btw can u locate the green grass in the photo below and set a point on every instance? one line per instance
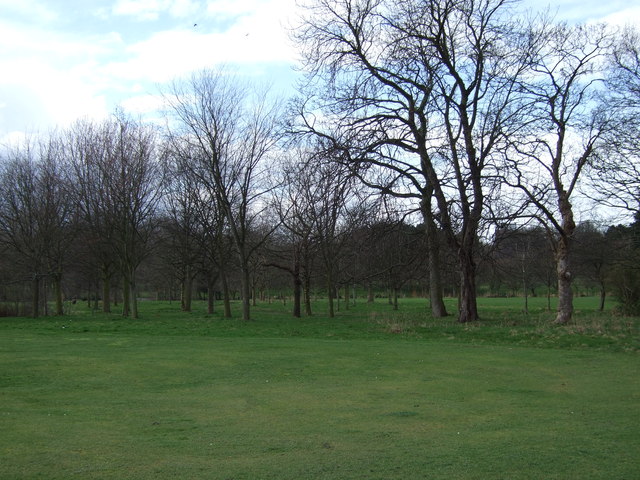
(372, 394)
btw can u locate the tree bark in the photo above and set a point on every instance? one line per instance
(603, 295)
(394, 294)
(438, 309)
(210, 297)
(525, 288)
(126, 296)
(226, 297)
(330, 294)
(347, 296)
(35, 296)
(468, 305)
(297, 291)
(307, 295)
(187, 291)
(565, 294)
(134, 296)
(246, 292)
(563, 268)
(106, 289)
(57, 285)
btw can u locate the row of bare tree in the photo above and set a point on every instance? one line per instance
(475, 110)
(320, 233)
(466, 112)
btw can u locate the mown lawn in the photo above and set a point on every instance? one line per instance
(372, 394)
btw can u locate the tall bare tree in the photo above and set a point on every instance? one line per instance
(183, 224)
(86, 148)
(335, 208)
(233, 128)
(566, 128)
(37, 216)
(296, 243)
(119, 180)
(615, 178)
(136, 187)
(422, 95)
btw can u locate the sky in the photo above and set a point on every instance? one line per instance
(61, 60)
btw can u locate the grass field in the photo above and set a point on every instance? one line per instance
(371, 394)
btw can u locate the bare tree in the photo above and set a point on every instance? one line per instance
(335, 208)
(183, 225)
(37, 216)
(624, 241)
(234, 134)
(594, 257)
(521, 257)
(119, 180)
(294, 251)
(565, 129)
(421, 94)
(86, 147)
(615, 178)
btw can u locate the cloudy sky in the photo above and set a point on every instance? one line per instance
(65, 59)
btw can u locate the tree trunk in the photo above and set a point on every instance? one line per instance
(307, 295)
(563, 270)
(468, 303)
(438, 309)
(370, 296)
(565, 294)
(330, 294)
(246, 293)
(35, 296)
(187, 292)
(394, 291)
(297, 291)
(134, 296)
(226, 296)
(57, 285)
(45, 300)
(126, 295)
(525, 288)
(603, 295)
(106, 289)
(210, 297)
(347, 295)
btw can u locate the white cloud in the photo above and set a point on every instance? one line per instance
(145, 10)
(141, 9)
(256, 38)
(628, 16)
(32, 107)
(589, 11)
(33, 10)
(160, 57)
(143, 104)
(50, 78)
(183, 8)
(49, 46)
(54, 75)
(233, 7)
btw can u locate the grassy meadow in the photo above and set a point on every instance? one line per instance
(370, 394)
